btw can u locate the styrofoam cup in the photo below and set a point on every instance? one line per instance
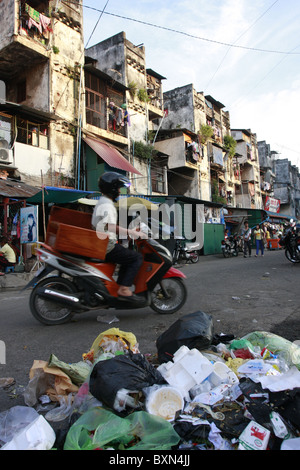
(165, 402)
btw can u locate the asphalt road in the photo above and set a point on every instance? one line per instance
(242, 295)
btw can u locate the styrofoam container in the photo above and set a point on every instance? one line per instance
(189, 368)
(222, 374)
(165, 401)
(37, 435)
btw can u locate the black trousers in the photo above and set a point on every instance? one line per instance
(247, 247)
(4, 263)
(130, 262)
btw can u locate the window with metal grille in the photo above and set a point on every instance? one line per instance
(95, 101)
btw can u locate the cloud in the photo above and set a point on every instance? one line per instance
(272, 116)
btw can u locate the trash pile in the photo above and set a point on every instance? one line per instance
(199, 392)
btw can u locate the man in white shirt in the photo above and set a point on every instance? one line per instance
(104, 219)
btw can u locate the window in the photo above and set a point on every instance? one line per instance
(95, 101)
(32, 133)
(5, 130)
(158, 180)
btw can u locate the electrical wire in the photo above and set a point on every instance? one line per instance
(240, 100)
(92, 33)
(243, 34)
(153, 25)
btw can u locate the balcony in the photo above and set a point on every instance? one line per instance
(24, 38)
(155, 95)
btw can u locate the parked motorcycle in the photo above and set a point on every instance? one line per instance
(186, 251)
(290, 241)
(86, 284)
(229, 246)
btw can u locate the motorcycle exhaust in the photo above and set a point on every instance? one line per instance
(62, 298)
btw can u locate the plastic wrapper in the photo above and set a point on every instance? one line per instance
(112, 341)
(61, 412)
(51, 381)
(101, 429)
(286, 350)
(194, 330)
(78, 372)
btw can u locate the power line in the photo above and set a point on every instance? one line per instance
(240, 100)
(253, 24)
(186, 34)
(101, 13)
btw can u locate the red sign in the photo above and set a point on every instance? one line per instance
(272, 205)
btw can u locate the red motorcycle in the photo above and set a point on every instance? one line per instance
(85, 282)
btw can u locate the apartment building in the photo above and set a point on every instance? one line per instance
(142, 100)
(193, 135)
(41, 55)
(248, 193)
(267, 170)
(287, 187)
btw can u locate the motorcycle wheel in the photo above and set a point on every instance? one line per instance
(291, 258)
(46, 311)
(194, 258)
(226, 253)
(169, 295)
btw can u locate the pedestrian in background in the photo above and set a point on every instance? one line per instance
(259, 239)
(246, 233)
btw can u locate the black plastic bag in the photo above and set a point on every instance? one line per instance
(194, 330)
(124, 373)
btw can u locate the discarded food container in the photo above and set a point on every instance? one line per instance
(222, 375)
(189, 368)
(254, 437)
(37, 435)
(165, 401)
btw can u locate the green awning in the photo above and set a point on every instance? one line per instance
(58, 195)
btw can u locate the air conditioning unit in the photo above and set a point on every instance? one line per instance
(6, 156)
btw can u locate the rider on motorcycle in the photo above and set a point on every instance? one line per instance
(104, 219)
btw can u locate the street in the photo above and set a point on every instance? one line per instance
(242, 295)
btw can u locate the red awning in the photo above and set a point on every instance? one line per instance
(110, 155)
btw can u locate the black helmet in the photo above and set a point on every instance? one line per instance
(110, 182)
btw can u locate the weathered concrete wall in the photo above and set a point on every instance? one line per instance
(32, 163)
(175, 148)
(7, 17)
(65, 66)
(37, 87)
(179, 103)
(110, 56)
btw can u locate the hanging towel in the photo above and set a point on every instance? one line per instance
(45, 22)
(31, 23)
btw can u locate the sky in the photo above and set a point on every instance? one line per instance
(244, 53)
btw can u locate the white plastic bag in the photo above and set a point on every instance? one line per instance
(22, 428)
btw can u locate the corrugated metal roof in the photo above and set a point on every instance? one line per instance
(110, 155)
(16, 189)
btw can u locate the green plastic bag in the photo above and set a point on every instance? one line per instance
(78, 371)
(289, 351)
(99, 428)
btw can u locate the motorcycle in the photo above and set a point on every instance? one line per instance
(186, 251)
(290, 241)
(229, 246)
(83, 284)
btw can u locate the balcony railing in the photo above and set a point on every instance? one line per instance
(35, 24)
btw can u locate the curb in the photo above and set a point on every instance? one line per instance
(15, 280)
